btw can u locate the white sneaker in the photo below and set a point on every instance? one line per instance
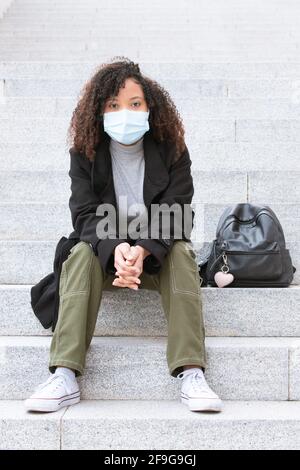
(196, 393)
(55, 393)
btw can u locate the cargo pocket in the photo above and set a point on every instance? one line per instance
(184, 270)
(76, 270)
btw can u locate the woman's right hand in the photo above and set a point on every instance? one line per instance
(128, 275)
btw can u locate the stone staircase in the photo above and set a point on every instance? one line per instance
(233, 71)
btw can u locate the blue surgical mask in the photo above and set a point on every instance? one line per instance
(126, 126)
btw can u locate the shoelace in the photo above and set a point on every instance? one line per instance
(51, 379)
(197, 381)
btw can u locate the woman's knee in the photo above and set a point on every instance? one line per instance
(81, 255)
(182, 250)
(184, 271)
(84, 248)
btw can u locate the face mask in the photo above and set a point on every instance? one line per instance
(126, 126)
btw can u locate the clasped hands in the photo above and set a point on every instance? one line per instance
(129, 265)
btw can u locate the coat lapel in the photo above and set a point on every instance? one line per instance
(156, 176)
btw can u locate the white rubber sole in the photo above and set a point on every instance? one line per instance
(38, 404)
(203, 404)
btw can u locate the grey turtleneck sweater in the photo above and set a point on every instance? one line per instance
(128, 167)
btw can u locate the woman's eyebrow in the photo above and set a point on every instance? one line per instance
(116, 99)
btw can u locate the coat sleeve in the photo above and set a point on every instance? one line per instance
(180, 190)
(83, 204)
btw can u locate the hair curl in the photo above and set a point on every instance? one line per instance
(86, 128)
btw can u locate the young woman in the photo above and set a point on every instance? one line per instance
(127, 142)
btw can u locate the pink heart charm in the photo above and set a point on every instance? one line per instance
(223, 279)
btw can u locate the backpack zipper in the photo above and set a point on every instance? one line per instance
(236, 252)
(255, 252)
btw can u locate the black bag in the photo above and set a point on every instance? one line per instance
(45, 294)
(250, 245)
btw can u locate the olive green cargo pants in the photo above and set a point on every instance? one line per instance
(82, 282)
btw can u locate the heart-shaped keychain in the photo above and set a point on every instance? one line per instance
(223, 278)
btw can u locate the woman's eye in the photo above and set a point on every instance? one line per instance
(114, 105)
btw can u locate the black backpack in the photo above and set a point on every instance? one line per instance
(250, 245)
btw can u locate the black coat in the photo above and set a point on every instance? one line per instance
(166, 181)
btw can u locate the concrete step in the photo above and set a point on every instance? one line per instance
(147, 49)
(177, 4)
(266, 90)
(208, 129)
(107, 13)
(110, 44)
(192, 111)
(228, 187)
(102, 54)
(228, 156)
(51, 33)
(26, 262)
(204, 129)
(24, 217)
(192, 17)
(90, 24)
(116, 7)
(93, 49)
(226, 312)
(119, 6)
(89, 8)
(151, 424)
(72, 43)
(157, 15)
(78, 70)
(228, 30)
(237, 368)
(187, 32)
(107, 24)
(210, 187)
(199, 23)
(164, 55)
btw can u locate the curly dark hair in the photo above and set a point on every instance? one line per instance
(86, 129)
